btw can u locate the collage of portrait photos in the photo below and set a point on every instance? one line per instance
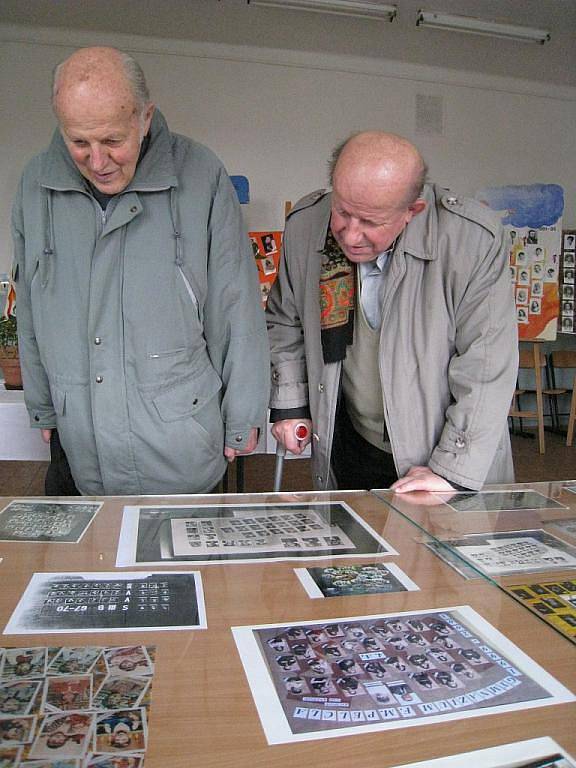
(567, 267)
(266, 248)
(534, 271)
(75, 707)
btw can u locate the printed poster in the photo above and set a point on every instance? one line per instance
(501, 501)
(554, 601)
(244, 533)
(58, 522)
(109, 602)
(533, 753)
(501, 554)
(360, 674)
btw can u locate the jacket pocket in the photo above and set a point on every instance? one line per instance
(189, 397)
(59, 401)
(192, 290)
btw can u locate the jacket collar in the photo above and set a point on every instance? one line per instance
(420, 236)
(154, 171)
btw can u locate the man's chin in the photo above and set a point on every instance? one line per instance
(360, 256)
(109, 185)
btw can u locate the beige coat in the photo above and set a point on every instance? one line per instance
(448, 343)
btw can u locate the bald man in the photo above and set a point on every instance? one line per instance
(142, 341)
(392, 328)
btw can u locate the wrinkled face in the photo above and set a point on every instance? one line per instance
(103, 138)
(365, 231)
(368, 214)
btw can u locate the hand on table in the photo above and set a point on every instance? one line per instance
(420, 479)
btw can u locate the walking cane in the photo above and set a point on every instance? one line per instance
(301, 432)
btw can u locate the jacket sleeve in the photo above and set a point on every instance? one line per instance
(481, 373)
(36, 387)
(234, 324)
(289, 380)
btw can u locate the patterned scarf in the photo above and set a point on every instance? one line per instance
(337, 290)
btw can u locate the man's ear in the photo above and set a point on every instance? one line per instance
(147, 118)
(417, 206)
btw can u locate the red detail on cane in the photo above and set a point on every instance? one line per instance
(301, 431)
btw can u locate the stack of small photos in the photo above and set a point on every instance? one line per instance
(83, 707)
(568, 266)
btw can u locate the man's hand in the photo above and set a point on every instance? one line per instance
(283, 431)
(251, 443)
(420, 479)
(46, 434)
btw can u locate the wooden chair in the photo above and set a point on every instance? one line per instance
(531, 359)
(565, 359)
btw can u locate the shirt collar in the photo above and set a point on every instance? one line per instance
(380, 262)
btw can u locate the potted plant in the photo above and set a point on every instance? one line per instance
(9, 360)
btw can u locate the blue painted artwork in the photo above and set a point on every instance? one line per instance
(242, 187)
(530, 205)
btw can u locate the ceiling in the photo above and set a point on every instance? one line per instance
(234, 22)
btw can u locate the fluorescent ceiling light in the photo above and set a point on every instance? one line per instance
(370, 9)
(481, 27)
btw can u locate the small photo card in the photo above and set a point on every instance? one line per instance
(348, 580)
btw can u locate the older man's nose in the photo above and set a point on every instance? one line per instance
(98, 158)
(353, 234)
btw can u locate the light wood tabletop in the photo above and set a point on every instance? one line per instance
(202, 709)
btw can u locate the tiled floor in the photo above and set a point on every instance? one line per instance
(26, 478)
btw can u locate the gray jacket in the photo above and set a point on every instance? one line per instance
(142, 335)
(448, 342)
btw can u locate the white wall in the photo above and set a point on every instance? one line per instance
(274, 116)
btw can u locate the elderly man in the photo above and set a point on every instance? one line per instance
(141, 331)
(392, 328)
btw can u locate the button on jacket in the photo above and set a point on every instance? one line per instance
(141, 330)
(448, 341)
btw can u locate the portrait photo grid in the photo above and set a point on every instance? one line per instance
(567, 268)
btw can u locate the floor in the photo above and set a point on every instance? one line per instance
(26, 478)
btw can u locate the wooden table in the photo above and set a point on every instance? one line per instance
(202, 709)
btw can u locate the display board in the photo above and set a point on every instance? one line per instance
(567, 287)
(318, 679)
(532, 216)
(266, 247)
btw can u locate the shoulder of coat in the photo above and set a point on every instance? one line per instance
(308, 201)
(470, 209)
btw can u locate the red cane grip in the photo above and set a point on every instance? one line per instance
(301, 431)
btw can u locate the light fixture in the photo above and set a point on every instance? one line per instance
(370, 9)
(481, 27)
